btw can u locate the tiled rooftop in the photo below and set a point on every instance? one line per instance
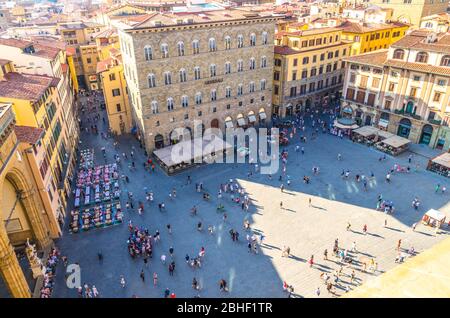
(26, 86)
(28, 134)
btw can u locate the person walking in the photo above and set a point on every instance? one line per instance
(311, 261)
(169, 228)
(414, 227)
(100, 256)
(223, 285)
(310, 202)
(142, 275)
(155, 279)
(171, 251)
(281, 205)
(365, 229)
(348, 226)
(318, 291)
(325, 255)
(399, 245)
(122, 281)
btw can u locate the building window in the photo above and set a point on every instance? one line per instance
(212, 70)
(112, 77)
(186, 116)
(263, 62)
(228, 106)
(276, 76)
(416, 78)
(88, 60)
(422, 57)
(212, 45)
(330, 55)
(305, 60)
(118, 108)
(164, 50)
(184, 101)
(252, 63)
(183, 76)
(116, 92)
(375, 82)
(294, 62)
(227, 42)
(227, 68)
(262, 84)
(198, 98)
(251, 87)
(228, 92)
(252, 39)
(240, 89)
(197, 73)
(275, 89)
(277, 62)
(148, 53)
(350, 94)
(413, 92)
(167, 78)
(304, 74)
(313, 71)
(240, 103)
(293, 92)
(199, 114)
(170, 104)
(441, 82)
(445, 61)
(154, 107)
(294, 75)
(391, 87)
(180, 47)
(322, 56)
(399, 54)
(240, 41)
(363, 81)
(213, 95)
(195, 47)
(352, 78)
(264, 38)
(437, 97)
(240, 66)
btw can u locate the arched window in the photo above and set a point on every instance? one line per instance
(445, 61)
(263, 62)
(227, 67)
(198, 98)
(252, 63)
(252, 39)
(399, 54)
(240, 41)
(240, 89)
(264, 38)
(422, 57)
(154, 107)
(151, 80)
(148, 53)
(183, 77)
(212, 45)
(240, 65)
(213, 95)
(227, 42)
(212, 70)
(251, 87)
(164, 50)
(170, 104)
(195, 47)
(197, 72)
(167, 78)
(180, 47)
(228, 92)
(184, 101)
(262, 84)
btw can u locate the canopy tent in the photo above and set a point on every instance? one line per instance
(396, 141)
(383, 123)
(384, 134)
(341, 124)
(443, 160)
(366, 131)
(262, 115)
(241, 121)
(229, 124)
(188, 152)
(436, 215)
(251, 118)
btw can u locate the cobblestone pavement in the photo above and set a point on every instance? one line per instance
(307, 230)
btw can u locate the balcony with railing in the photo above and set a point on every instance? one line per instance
(7, 120)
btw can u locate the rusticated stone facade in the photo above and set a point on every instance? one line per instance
(151, 94)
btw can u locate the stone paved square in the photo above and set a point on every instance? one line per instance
(307, 230)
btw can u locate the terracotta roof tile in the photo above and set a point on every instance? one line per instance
(28, 134)
(376, 58)
(26, 86)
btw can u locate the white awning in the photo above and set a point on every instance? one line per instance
(229, 124)
(262, 115)
(435, 214)
(251, 118)
(241, 121)
(383, 123)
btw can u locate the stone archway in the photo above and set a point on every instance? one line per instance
(159, 141)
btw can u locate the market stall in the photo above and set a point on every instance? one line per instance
(381, 135)
(365, 134)
(343, 126)
(440, 164)
(187, 153)
(433, 218)
(394, 145)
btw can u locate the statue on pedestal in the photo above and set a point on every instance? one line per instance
(35, 262)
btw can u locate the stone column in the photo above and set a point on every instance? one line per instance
(32, 207)
(11, 270)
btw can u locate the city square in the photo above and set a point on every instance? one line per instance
(306, 229)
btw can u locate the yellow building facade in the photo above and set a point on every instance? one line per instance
(21, 205)
(371, 37)
(308, 69)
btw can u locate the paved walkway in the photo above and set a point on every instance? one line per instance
(306, 230)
